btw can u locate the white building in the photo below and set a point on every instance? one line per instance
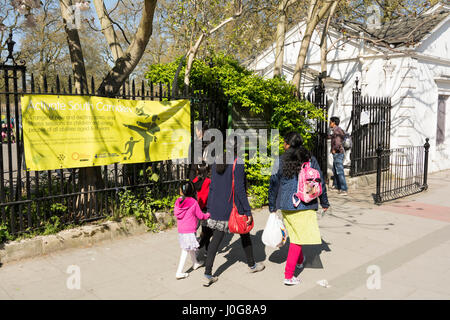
(407, 60)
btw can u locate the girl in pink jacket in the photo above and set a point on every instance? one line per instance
(188, 212)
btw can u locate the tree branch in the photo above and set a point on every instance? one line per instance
(194, 49)
(108, 29)
(127, 62)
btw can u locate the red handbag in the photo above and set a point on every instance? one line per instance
(238, 222)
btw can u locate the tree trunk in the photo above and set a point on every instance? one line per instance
(281, 33)
(75, 50)
(89, 178)
(175, 78)
(323, 40)
(190, 59)
(127, 62)
(316, 16)
(108, 29)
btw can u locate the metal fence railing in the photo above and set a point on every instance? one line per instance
(401, 172)
(31, 199)
(371, 126)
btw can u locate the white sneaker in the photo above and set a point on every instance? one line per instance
(301, 265)
(292, 281)
(181, 275)
(198, 265)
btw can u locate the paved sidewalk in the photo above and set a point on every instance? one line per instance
(405, 242)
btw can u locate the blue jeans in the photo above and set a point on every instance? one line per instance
(338, 172)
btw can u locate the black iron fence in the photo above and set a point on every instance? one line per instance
(320, 146)
(29, 200)
(401, 172)
(371, 126)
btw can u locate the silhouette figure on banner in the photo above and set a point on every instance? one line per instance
(146, 130)
(129, 146)
(140, 112)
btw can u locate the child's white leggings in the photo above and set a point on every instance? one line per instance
(183, 257)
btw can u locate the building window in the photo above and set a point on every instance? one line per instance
(440, 133)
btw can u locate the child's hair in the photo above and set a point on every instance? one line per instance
(295, 156)
(202, 170)
(188, 189)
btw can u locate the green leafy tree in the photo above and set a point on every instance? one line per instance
(243, 88)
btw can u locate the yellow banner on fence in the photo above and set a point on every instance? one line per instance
(82, 131)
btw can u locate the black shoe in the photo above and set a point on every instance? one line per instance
(209, 280)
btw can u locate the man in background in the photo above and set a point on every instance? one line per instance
(338, 152)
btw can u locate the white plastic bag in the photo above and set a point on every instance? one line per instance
(274, 234)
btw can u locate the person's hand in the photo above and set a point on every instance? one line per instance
(321, 215)
(249, 221)
(207, 215)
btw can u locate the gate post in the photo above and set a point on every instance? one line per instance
(356, 97)
(425, 169)
(320, 101)
(378, 192)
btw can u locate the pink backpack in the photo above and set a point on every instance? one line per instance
(309, 185)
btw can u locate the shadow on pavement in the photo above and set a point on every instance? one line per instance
(311, 252)
(235, 252)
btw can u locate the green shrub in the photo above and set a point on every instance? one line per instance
(241, 87)
(53, 226)
(4, 233)
(143, 207)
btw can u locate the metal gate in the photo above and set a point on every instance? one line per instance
(401, 172)
(371, 127)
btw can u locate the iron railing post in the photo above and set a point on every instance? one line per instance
(378, 192)
(425, 169)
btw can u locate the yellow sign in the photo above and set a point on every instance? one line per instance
(82, 131)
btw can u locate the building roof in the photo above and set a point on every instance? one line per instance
(400, 32)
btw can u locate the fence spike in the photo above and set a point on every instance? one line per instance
(58, 85)
(69, 84)
(45, 84)
(32, 83)
(151, 91)
(92, 85)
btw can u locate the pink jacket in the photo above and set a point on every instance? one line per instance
(187, 213)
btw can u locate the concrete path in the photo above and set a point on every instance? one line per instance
(400, 250)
